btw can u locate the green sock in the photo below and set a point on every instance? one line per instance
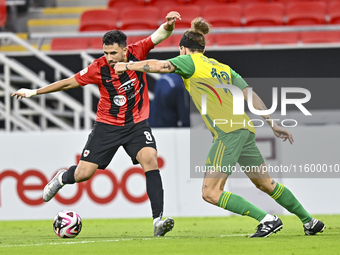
(239, 205)
(286, 199)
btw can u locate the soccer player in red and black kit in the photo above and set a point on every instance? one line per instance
(122, 115)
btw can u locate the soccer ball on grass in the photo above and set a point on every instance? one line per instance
(67, 224)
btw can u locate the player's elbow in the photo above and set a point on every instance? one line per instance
(164, 67)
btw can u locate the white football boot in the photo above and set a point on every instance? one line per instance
(161, 227)
(53, 186)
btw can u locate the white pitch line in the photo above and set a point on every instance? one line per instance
(109, 241)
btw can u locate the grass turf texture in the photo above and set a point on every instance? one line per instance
(199, 235)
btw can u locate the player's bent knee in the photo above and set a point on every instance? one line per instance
(149, 163)
(209, 196)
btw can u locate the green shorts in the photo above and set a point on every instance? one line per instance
(230, 148)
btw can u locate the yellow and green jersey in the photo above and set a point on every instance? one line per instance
(200, 75)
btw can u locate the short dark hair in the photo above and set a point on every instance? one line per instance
(113, 37)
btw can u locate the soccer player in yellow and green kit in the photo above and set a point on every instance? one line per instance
(233, 143)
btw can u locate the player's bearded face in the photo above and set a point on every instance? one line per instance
(114, 53)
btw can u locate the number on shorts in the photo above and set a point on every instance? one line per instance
(148, 135)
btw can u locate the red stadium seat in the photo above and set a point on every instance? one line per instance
(204, 2)
(306, 13)
(118, 5)
(146, 2)
(186, 1)
(210, 39)
(236, 39)
(96, 43)
(140, 18)
(176, 39)
(334, 13)
(228, 15)
(161, 3)
(264, 14)
(3, 13)
(134, 39)
(320, 37)
(166, 43)
(98, 20)
(279, 38)
(70, 44)
(188, 13)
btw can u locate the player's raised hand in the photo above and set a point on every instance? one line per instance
(172, 16)
(22, 93)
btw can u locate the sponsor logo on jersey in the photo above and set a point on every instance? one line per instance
(86, 153)
(135, 94)
(126, 86)
(119, 100)
(84, 71)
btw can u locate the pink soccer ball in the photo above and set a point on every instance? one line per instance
(67, 224)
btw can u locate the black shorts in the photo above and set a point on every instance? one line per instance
(105, 139)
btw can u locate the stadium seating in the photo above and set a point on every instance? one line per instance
(161, 3)
(210, 39)
(139, 18)
(70, 44)
(166, 43)
(188, 13)
(236, 39)
(227, 15)
(148, 14)
(334, 13)
(279, 38)
(320, 37)
(186, 1)
(3, 13)
(98, 20)
(145, 2)
(306, 13)
(133, 39)
(175, 39)
(121, 4)
(96, 43)
(264, 14)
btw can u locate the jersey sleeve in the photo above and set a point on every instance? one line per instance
(141, 48)
(237, 80)
(184, 64)
(87, 75)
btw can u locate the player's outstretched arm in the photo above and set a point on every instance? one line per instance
(65, 84)
(165, 30)
(258, 104)
(146, 66)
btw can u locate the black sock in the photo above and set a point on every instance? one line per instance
(154, 189)
(68, 176)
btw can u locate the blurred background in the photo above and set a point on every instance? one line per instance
(278, 43)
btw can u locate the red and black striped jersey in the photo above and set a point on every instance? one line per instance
(123, 99)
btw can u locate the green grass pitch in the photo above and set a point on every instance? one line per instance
(199, 235)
